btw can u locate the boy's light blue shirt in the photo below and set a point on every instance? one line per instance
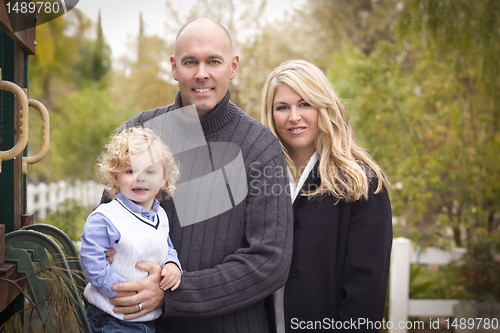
(100, 235)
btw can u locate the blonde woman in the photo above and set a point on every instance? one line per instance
(342, 230)
(136, 165)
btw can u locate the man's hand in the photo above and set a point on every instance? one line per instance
(145, 292)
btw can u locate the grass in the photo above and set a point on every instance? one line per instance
(58, 298)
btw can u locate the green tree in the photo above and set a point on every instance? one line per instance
(55, 51)
(95, 58)
(332, 24)
(66, 60)
(81, 133)
(316, 32)
(426, 109)
(144, 80)
(464, 37)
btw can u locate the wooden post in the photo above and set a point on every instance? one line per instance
(27, 219)
(2, 244)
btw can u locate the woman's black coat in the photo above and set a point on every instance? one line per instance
(340, 264)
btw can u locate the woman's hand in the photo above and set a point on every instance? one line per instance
(135, 299)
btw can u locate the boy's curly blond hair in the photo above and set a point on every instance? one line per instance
(135, 141)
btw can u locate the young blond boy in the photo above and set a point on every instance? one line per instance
(135, 165)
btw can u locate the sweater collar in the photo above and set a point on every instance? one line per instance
(217, 118)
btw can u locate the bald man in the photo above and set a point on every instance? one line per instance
(232, 261)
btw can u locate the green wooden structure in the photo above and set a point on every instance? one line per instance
(15, 48)
(26, 249)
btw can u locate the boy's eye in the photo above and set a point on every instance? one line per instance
(129, 171)
(150, 172)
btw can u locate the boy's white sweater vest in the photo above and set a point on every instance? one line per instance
(140, 239)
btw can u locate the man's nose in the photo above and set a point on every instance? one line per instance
(202, 73)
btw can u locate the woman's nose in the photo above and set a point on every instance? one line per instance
(294, 114)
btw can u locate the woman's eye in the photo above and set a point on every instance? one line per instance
(305, 104)
(281, 107)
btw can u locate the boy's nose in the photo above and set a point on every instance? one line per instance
(140, 177)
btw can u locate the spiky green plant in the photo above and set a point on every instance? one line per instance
(59, 298)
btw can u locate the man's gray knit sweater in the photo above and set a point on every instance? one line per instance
(232, 261)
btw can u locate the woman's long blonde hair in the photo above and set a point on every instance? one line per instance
(345, 168)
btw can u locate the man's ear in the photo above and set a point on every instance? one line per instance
(173, 66)
(234, 66)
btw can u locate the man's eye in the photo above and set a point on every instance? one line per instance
(214, 62)
(189, 62)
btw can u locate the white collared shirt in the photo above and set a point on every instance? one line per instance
(295, 188)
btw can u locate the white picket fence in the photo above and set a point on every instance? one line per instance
(45, 198)
(400, 305)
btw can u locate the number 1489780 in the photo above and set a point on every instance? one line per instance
(38, 7)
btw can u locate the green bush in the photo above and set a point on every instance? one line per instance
(70, 218)
(478, 270)
(428, 282)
